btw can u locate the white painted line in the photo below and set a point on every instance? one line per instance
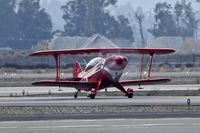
(92, 126)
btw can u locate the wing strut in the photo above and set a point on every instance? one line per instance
(141, 70)
(150, 65)
(57, 59)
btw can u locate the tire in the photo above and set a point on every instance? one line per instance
(92, 96)
(130, 95)
(75, 96)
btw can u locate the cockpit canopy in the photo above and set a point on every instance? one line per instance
(94, 62)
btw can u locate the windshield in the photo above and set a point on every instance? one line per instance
(93, 62)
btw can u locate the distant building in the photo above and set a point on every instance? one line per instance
(98, 41)
(166, 42)
(60, 42)
(187, 45)
(95, 41)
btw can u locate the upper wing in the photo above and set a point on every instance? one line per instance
(145, 81)
(76, 84)
(150, 51)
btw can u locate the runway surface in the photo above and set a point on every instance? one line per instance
(37, 89)
(167, 125)
(99, 101)
(31, 75)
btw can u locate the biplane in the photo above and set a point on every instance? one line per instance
(102, 72)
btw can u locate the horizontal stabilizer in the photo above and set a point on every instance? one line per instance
(75, 84)
(145, 81)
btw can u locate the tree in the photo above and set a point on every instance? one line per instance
(185, 19)
(34, 23)
(182, 23)
(124, 30)
(165, 23)
(8, 25)
(75, 11)
(88, 17)
(140, 17)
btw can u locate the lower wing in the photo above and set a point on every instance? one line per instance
(75, 84)
(145, 81)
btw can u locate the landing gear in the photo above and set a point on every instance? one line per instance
(92, 94)
(76, 94)
(130, 93)
(140, 88)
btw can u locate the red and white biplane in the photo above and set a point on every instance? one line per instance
(101, 73)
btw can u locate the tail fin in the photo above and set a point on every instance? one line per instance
(77, 69)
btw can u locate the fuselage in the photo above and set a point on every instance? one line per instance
(105, 71)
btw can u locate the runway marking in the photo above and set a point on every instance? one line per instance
(95, 126)
(165, 124)
(99, 120)
(91, 123)
(195, 124)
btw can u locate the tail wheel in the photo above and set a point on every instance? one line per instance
(130, 93)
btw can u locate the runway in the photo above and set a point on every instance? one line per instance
(99, 101)
(43, 90)
(167, 125)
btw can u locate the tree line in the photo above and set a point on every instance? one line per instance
(88, 17)
(23, 24)
(26, 23)
(179, 20)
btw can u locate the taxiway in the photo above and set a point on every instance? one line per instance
(167, 125)
(99, 101)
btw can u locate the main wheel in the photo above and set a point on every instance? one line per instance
(92, 96)
(130, 95)
(75, 96)
(93, 93)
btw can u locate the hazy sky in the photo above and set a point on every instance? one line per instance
(145, 4)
